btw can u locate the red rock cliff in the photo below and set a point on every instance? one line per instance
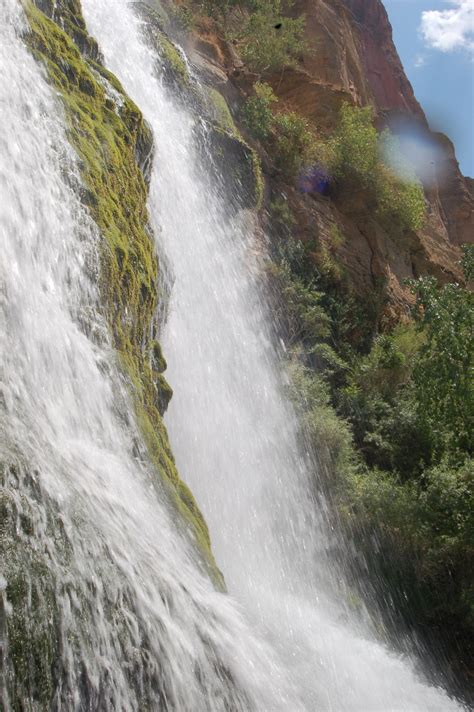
(351, 57)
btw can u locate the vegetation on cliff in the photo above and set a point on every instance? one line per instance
(395, 414)
(389, 404)
(352, 156)
(267, 38)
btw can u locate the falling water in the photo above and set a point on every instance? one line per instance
(116, 614)
(233, 433)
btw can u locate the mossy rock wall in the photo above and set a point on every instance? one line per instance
(114, 145)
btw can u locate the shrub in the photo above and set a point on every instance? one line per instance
(330, 434)
(294, 144)
(357, 155)
(263, 47)
(444, 374)
(305, 318)
(400, 201)
(257, 113)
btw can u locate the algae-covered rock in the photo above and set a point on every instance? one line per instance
(114, 145)
(174, 68)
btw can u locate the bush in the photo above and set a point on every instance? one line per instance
(330, 434)
(263, 47)
(294, 144)
(356, 154)
(257, 113)
(289, 136)
(444, 374)
(304, 318)
(400, 201)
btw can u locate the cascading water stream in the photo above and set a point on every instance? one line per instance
(233, 434)
(117, 614)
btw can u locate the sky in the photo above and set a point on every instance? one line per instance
(435, 41)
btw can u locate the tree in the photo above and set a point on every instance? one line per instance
(268, 40)
(257, 112)
(444, 374)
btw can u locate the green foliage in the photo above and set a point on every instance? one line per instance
(467, 263)
(281, 214)
(293, 144)
(378, 400)
(401, 201)
(263, 47)
(183, 16)
(392, 426)
(444, 373)
(257, 114)
(359, 157)
(288, 135)
(355, 153)
(330, 433)
(222, 10)
(327, 261)
(306, 319)
(252, 25)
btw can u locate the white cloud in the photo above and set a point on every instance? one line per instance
(450, 29)
(420, 61)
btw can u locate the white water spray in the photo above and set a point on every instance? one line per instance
(232, 432)
(98, 576)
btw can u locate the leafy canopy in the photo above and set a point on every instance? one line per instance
(444, 374)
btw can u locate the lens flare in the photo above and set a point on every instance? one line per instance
(411, 152)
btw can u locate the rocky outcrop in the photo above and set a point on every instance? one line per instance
(351, 57)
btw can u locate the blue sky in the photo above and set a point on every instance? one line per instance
(435, 40)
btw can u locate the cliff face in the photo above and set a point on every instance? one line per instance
(351, 53)
(351, 57)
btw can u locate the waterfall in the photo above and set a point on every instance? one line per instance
(233, 433)
(117, 613)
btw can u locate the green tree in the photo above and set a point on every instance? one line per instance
(358, 155)
(294, 144)
(355, 148)
(444, 373)
(257, 113)
(269, 41)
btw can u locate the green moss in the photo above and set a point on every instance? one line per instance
(175, 66)
(155, 21)
(220, 110)
(259, 184)
(239, 164)
(111, 140)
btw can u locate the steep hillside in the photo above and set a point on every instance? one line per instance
(350, 56)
